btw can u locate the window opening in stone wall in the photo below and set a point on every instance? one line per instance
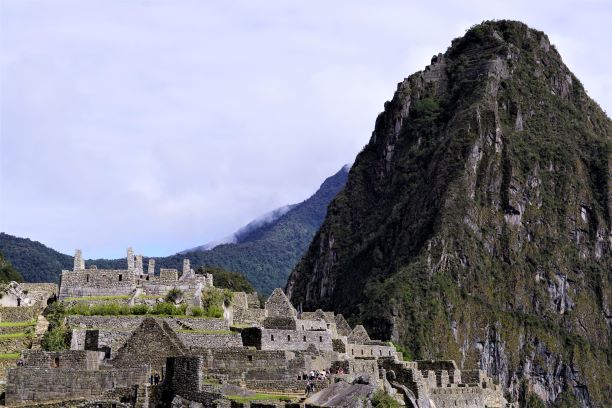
(371, 352)
(120, 277)
(87, 278)
(18, 302)
(272, 337)
(389, 352)
(288, 338)
(380, 352)
(55, 362)
(362, 352)
(302, 327)
(304, 338)
(320, 339)
(147, 278)
(250, 358)
(352, 351)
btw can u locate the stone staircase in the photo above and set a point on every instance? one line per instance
(42, 325)
(142, 396)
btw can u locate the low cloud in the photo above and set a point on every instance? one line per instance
(164, 124)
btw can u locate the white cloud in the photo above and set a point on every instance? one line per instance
(166, 124)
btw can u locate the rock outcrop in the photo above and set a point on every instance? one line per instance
(476, 223)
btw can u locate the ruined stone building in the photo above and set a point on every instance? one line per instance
(223, 362)
(134, 280)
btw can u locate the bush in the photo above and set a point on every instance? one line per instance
(56, 339)
(174, 295)
(214, 311)
(140, 309)
(197, 311)
(383, 400)
(165, 308)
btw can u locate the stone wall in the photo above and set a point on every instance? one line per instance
(185, 380)
(469, 397)
(312, 324)
(18, 313)
(73, 359)
(249, 316)
(6, 363)
(30, 385)
(249, 364)
(41, 292)
(132, 322)
(197, 341)
(97, 282)
(280, 323)
(367, 350)
(107, 340)
(295, 340)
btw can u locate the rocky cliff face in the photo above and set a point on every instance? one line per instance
(475, 225)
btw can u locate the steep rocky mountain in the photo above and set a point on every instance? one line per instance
(265, 252)
(476, 223)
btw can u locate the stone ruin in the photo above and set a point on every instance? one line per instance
(82, 281)
(222, 362)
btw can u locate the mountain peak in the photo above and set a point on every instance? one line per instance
(475, 224)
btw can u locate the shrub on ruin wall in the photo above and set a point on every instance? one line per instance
(174, 296)
(56, 339)
(381, 399)
(213, 300)
(197, 311)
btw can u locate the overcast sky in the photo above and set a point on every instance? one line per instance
(166, 124)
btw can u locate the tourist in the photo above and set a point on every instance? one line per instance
(156, 378)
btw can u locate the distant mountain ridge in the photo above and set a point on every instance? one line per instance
(249, 232)
(264, 251)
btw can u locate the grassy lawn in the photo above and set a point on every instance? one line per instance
(86, 298)
(206, 331)
(242, 326)
(14, 335)
(9, 356)
(258, 397)
(18, 324)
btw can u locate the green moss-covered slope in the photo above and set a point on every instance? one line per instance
(475, 225)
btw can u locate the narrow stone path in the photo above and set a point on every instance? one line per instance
(42, 325)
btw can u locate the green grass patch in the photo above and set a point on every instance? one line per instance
(206, 331)
(258, 397)
(18, 324)
(9, 356)
(242, 326)
(86, 298)
(14, 335)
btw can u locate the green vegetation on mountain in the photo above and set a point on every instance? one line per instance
(264, 254)
(35, 262)
(476, 223)
(7, 272)
(227, 279)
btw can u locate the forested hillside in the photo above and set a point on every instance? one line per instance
(265, 255)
